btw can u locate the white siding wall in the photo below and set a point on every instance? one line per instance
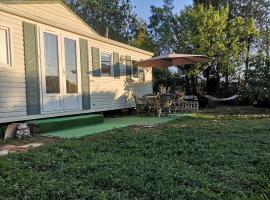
(108, 93)
(12, 80)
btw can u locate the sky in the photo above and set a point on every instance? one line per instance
(143, 6)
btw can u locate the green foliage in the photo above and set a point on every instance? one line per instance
(212, 33)
(116, 15)
(166, 78)
(143, 40)
(199, 157)
(257, 90)
(163, 27)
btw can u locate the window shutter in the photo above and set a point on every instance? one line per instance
(31, 68)
(96, 62)
(116, 65)
(85, 74)
(128, 67)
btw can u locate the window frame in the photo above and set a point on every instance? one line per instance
(111, 64)
(78, 62)
(134, 77)
(8, 29)
(139, 68)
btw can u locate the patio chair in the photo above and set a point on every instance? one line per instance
(141, 104)
(153, 104)
(166, 103)
(176, 101)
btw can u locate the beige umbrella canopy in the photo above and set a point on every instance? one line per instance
(172, 59)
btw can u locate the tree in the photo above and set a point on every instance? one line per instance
(163, 27)
(250, 10)
(143, 39)
(116, 15)
(209, 31)
(257, 89)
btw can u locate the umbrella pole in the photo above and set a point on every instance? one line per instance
(166, 81)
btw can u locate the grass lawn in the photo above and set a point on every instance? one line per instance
(199, 157)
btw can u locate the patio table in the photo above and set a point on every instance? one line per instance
(153, 103)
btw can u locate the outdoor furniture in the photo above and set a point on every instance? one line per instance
(176, 101)
(166, 103)
(189, 103)
(153, 104)
(141, 104)
(149, 94)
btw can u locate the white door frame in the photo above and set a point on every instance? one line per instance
(62, 75)
(65, 94)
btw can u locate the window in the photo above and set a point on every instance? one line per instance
(141, 74)
(106, 64)
(51, 63)
(138, 72)
(135, 70)
(71, 66)
(5, 58)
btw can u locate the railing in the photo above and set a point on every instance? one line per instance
(189, 105)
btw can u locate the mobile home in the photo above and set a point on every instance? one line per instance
(53, 64)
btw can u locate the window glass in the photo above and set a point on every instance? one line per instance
(71, 66)
(141, 73)
(135, 70)
(51, 63)
(4, 46)
(105, 64)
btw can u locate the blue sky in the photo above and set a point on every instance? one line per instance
(143, 6)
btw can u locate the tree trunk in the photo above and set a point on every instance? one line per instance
(187, 86)
(227, 82)
(267, 42)
(207, 74)
(247, 60)
(194, 85)
(217, 76)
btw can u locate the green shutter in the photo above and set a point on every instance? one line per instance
(31, 68)
(116, 65)
(128, 66)
(85, 74)
(96, 61)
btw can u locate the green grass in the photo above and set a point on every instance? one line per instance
(199, 157)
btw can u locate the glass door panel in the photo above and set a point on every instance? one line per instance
(72, 96)
(51, 61)
(71, 66)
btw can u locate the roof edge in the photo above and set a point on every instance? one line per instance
(61, 2)
(25, 15)
(30, 1)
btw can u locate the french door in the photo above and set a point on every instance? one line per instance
(60, 72)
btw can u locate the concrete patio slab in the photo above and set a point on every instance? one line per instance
(113, 123)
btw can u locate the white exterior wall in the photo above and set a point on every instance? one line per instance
(12, 80)
(107, 93)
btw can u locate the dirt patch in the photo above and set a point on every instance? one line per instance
(139, 128)
(15, 148)
(22, 145)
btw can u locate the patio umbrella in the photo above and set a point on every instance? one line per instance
(172, 59)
